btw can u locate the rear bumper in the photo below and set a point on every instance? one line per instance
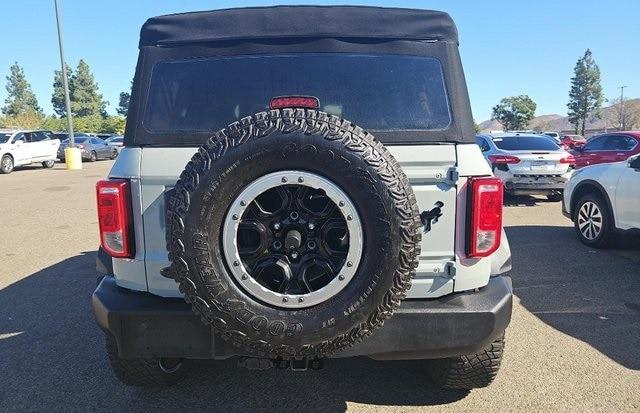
(145, 325)
(534, 184)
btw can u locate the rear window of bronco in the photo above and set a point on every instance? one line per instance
(377, 92)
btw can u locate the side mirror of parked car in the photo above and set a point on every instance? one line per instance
(635, 163)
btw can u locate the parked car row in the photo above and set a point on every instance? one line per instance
(566, 141)
(92, 149)
(598, 182)
(25, 147)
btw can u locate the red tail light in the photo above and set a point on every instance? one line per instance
(308, 102)
(114, 217)
(486, 216)
(503, 159)
(568, 159)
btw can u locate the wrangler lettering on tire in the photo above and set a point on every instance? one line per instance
(285, 220)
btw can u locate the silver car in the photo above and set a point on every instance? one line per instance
(116, 142)
(528, 164)
(92, 148)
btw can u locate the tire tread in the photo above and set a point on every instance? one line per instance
(330, 127)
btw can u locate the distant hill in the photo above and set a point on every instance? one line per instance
(561, 123)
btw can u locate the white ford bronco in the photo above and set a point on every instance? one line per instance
(300, 184)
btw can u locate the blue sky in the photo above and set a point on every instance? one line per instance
(508, 47)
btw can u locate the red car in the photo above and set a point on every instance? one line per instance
(572, 141)
(607, 148)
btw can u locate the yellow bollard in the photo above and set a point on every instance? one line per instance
(73, 158)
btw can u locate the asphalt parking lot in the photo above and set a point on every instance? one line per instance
(573, 344)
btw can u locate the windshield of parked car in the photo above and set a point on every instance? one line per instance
(378, 92)
(116, 140)
(525, 143)
(4, 137)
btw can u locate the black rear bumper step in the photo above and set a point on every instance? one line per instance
(145, 325)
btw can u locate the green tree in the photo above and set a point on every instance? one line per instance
(476, 126)
(514, 112)
(57, 98)
(585, 95)
(123, 104)
(86, 99)
(21, 98)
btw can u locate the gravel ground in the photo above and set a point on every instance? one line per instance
(573, 344)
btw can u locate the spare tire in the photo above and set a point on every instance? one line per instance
(294, 233)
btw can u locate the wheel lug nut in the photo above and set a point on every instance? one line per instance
(244, 276)
(285, 299)
(341, 277)
(235, 216)
(242, 203)
(301, 179)
(341, 203)
(349, 264)
(284, 179)
(349, 217)
(301, 299)
(236, 264)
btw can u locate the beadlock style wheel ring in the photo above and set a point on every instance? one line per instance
(292, 239)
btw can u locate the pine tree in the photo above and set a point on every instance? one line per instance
(123, 105)
(57, 99)
(21, 98)
(585, 95)
(86, 99)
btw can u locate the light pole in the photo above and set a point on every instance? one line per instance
(72, 155)
(622, 125)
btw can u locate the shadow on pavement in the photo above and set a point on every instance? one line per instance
(524, 200)
(52, 357)
(592, 295)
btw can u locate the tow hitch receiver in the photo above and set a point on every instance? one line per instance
(301, 364)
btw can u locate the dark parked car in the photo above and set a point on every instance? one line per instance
(92, 148)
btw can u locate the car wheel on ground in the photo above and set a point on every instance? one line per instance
(48, 164)
(144, 372)
(114, 155)
(592, 221)
(93, 157)
(470, 371)
(6, 164)
(555, 196)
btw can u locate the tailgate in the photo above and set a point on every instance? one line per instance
(428, 168)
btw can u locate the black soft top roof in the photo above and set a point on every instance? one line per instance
(282, 22)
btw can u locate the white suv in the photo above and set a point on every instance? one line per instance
(19, 148)
(604, 199)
